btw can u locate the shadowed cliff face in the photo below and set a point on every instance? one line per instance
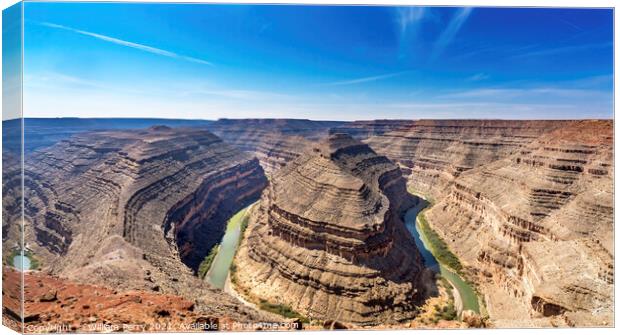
(128, 208)
(328, 239)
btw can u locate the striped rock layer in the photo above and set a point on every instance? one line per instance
(536, 228)
(135, 209)
(328, 241)
(433, 153)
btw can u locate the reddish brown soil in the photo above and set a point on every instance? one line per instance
(53, 304)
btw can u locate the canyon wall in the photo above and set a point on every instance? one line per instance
(509, 195)
(136, 209)
(535, 229)
(328, 239)
(432, 153)
(274, 142)
(526, 205)
(364, 129)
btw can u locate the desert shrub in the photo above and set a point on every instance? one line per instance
(244, 223)
(34, 262)
(448, 312)
(439, 247)
(205, 265)
(283, 310)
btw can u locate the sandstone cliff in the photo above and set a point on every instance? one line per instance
(526, 205)
(435, 152)
(536, 228)
(362, 130)
(328, 241)
(136, 209)
(274, 142)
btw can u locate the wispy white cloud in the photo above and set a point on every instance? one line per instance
(451, 30)
(57, 79)
(409, 16)
(96, 103)
(478, 77)
(464, 106)
(129, 44)
(564, 49)
(571, 24)
(409, 22)
(605, 80)
(502, 93)
(365, 79)
(512, 93)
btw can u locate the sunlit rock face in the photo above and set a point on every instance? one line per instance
(536, 227)
(328, 241)
(433, 153)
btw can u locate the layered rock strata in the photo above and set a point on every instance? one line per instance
(365, 129)
(435, 152)
(136, 209)
(274, 142)
(538, 225)
(328, 241)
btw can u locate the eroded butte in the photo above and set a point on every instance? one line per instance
(327, 238)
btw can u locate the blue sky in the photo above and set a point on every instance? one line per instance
(317, 62)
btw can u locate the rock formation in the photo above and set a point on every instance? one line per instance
(536, 228)
(435, 152)
(362, 130)
(134, 209)
(55, 304)
(274, 142)
(328, 241)
(527, 206)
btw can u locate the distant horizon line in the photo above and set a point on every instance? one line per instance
(301, 119)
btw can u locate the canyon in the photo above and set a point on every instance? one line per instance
(433, 153)
(275, 142)
(511, 200)
(526, 206)
(134, 210)
(536, 228)
(327, 238)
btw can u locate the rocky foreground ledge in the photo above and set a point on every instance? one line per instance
(327, 239)
(57, 305)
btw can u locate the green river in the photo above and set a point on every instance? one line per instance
(221, 264)
(218, 272)
(468, 296)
